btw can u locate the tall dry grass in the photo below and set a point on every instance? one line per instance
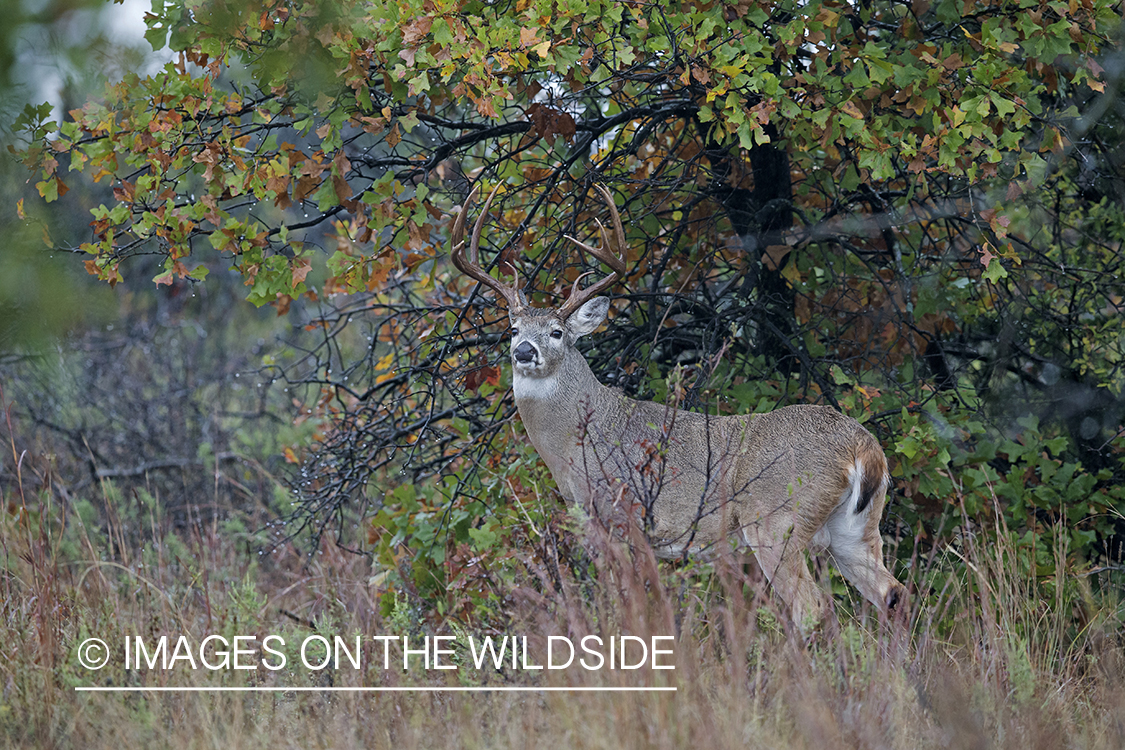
(983, 661)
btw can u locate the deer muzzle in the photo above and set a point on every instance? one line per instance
(525, 353)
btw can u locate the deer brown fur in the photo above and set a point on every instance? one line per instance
(801, 477)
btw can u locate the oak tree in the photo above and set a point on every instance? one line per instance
(909, 210)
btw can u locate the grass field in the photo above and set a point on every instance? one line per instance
(984, 661)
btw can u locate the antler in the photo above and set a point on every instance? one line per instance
(470, 266)
(615, 259)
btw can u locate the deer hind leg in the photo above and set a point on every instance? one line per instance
(857, 547)
(781, 556)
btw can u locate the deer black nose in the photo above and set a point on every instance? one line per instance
(525, 352)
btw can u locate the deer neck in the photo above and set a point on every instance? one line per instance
(553, 408)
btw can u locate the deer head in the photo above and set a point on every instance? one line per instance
(543, 338)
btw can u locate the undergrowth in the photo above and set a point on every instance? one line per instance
(990, 655)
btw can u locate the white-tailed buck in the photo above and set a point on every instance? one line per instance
(782, 482)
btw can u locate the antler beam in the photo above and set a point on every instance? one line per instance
(470, 266)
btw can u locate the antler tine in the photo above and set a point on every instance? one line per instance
(458, 237)
(618, 230)
(470, 266)
(474, 245)
(614, 257)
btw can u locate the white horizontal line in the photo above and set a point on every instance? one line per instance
(308, 689)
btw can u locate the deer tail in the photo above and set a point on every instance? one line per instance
(869, 475)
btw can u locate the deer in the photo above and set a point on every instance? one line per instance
(802, 477)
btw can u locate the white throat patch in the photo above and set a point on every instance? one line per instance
(527, 387)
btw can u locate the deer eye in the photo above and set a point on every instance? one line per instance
(515, 331)
(556, 334)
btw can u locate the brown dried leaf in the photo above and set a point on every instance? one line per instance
(414, 32)
(529, 36)
(394, 137)
(482, 374)
(774, 256)
(301, 268)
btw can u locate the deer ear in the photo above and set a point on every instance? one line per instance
(588, 317)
